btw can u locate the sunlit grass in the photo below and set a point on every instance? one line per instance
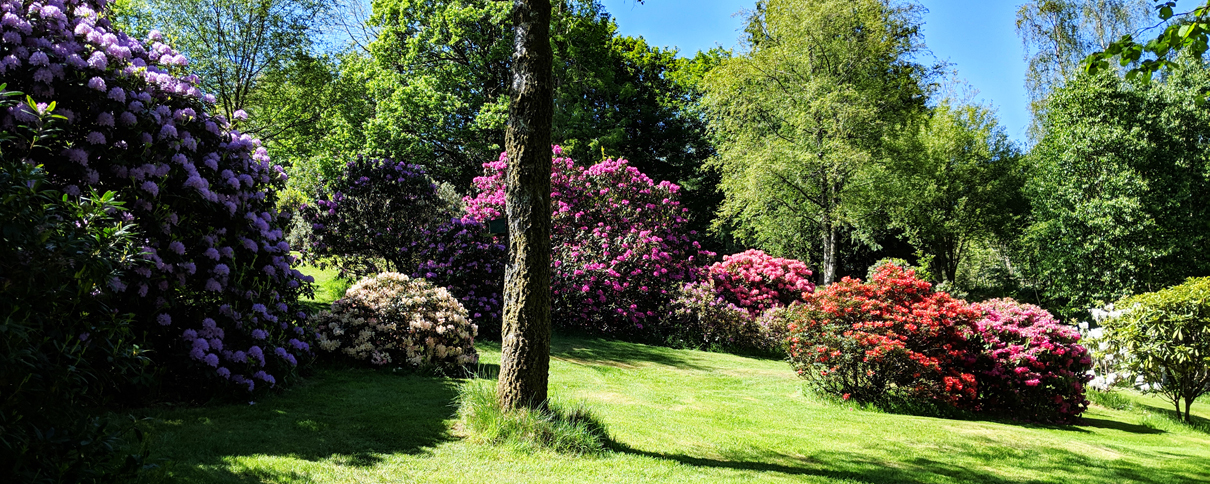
(671, 416)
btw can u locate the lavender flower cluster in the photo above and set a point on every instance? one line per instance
(217, 293)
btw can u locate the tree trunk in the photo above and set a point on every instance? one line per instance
(827, 226)
(525, 359)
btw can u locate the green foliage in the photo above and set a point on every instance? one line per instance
(433, 90)
(1187, 32)
(1120, 190)
(1167, 334)
(235, 44)
(1058, 34)
(63, 350)
(573, 430)
(800, 120)
(955, 183)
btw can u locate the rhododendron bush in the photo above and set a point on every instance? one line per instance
(1034, 368)
(392, 319)
(756, 282)
(216, 295)
(384, 213)
(619, 249)
(890, 337)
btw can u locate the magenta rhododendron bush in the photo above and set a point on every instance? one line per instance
(756, 281)
(1035, 368)
(216, 295)
(620, 251)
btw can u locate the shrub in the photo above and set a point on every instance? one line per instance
(217, 300)
(892, 337)
(382, 214)
(704, 319)
(1033, 367)
(373, 218)
(460, 257)
(63, 351)
(619, 253)
(392, 318)
(1167, 337)
(757, 282)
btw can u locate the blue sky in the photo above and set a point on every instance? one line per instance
(978, 39)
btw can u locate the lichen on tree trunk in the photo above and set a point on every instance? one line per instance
(525, 348)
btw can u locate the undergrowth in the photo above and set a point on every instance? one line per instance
(568, 429)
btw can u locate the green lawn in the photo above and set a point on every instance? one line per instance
(676, 416)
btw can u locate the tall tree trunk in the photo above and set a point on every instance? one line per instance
(525, 359)
(828, 232)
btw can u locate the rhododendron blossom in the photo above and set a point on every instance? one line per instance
(118, 95)
(892, 336)
(1032, 366)
(619, 250)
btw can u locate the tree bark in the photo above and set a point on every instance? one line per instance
(525, 359)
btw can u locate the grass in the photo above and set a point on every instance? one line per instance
(672, 416)
(559, 427)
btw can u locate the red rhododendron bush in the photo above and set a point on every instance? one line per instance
(215, 297)
(1034, 368)
(619, 248)
(894, 337)
(891, 337)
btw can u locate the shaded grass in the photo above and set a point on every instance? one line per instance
(673, 416)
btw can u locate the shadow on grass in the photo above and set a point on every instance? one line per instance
(853, 467)
(351, 415)
(1101, 423)
(1196, 423)
(620, 354)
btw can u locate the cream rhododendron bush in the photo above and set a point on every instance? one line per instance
(392, 319)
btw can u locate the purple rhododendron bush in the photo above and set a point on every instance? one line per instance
(392, 319)
(381, 214)
(215, 297)
(620, 251)
(1035, 369)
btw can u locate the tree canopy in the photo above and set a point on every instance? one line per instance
(801, 118)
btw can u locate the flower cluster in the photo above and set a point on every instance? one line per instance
(619, 249)
(217, 287)
(1032, 366)
(755, 281)
(391, 318)
(892, 336)
(380, 212)
(704, 319)
(461, 258)
(373, 217)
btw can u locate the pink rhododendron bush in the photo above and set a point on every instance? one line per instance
(620, 251)
(216, 297)
(703, 319)
(1035, 369)
(756, 282)
(392, 319)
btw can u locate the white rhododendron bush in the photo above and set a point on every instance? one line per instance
(392, 319)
